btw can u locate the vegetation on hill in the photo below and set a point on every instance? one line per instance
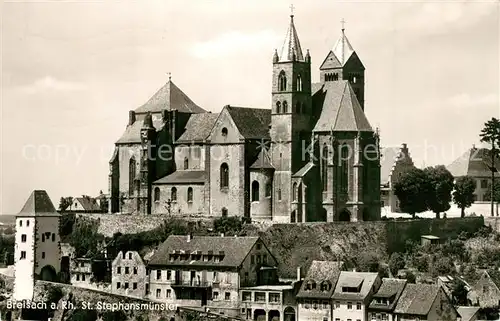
(463, 195)
(491, 134)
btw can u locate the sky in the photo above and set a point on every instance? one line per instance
(71, 71)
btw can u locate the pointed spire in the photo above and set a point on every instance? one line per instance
(275, 56)
(291, 46)
(343, 49)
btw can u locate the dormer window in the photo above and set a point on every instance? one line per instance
(310, 285)
(326, 286)
(282, 81)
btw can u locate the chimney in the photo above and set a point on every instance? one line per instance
(298, 273)
(131, 117)
(221, 234)
(189, 237)
(404, 145)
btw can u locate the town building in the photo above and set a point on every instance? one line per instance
(269, 302)
(430, 240)
(353, 294)
(310, 156)
(385, 299)
(314, 298)
(37, 254)
(81, 271)
(468, 313)
(83, 204)
(129, 274)
(207, 271)
(486, 290)
(394, 161)
(476, 163)
(425, 302)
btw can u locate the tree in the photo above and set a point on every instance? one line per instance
(396, 262)
(458, 292)
(463, 195)
(443, 266)
(495, 192)
(441, 185)
(65, 202)
(491, 134)
(368, 262)
(412, 189)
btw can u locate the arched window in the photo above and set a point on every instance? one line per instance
(285, 107)
(344, 175)
(278, 107)
(282, 81)
(224, 131)
(294, 192)
(173, 194)
(186, 163)
(335, 76)
(324, 167)
(224, 176)
(224, 212)
(132, 169)
(190, 194)
(157, 194)
(299, 83)
(326, 286)
(255, 191)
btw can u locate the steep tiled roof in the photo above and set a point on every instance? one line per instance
(474, 162)
(88, 203)
(263, 160)
(388, 158)
(170, 97)
(183, 177)
(132, 134)
(235, 250)
(291, 46)
(198, 127)
(321, 271)
(417, 299)
(330, 62)
(340, 109)
(38, 204)
(304, 170)
(354, 279)
(495, 277)
(253, 123)
(343, 49)
(390, 289)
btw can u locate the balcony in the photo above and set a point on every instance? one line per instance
(180, 283)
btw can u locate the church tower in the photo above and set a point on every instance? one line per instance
(37, 250)
(342, 63)
(290, 118)
(147, 166)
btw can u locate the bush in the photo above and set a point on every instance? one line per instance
(232, 225)
(443, 266)
(54, 294)
(83, 315)
(396, 262)
(114, 316)
(368, 262)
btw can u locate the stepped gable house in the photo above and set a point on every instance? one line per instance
(277, 164)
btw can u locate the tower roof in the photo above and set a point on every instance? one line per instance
(170, 97)
(291, 46)
(38, 204)
(343, 49)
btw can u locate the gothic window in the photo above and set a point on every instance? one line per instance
(282, 81)
(294, 192)
(224, 131)
(335, 76)
(132, 169)
(255, 191)
(278, 107)
(281, 161)
(299, 83)
(354, 79)
(285, 107)
(324, 164)
(269, 188)
(224, 176)
(344, 175)
(173, 194)
(157, 194)
(186, 163)
(190, 194)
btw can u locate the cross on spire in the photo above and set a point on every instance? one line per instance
(169, 75)
(343, 24)
(292, 8)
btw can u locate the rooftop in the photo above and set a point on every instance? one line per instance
(38, 204)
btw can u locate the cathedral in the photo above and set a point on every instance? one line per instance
(311, 157)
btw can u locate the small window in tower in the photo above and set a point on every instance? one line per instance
(20, 222)
(43, 237)
(23, 238)
(299, 83)
(53, 237)
(23, 255)
(282, 81)
(255, 191)
(285, 107)
(157, 194)
(190, 194)
(27, 223)
(224, 212)
(335, 76)
(278, 111)
(43, 255)
(173, 194)
(269, 188)
(279, 194)
(354, 79)
(224, 131)
(186, 163)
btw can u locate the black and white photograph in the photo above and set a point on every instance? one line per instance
(169, 160)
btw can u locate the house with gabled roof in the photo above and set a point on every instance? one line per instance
(486, 290)
(385, 299)
(209, 271)
(353, 294)
(314, 297)
(311, 155)
(425, 302)
(476, 163)
(394, 161)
